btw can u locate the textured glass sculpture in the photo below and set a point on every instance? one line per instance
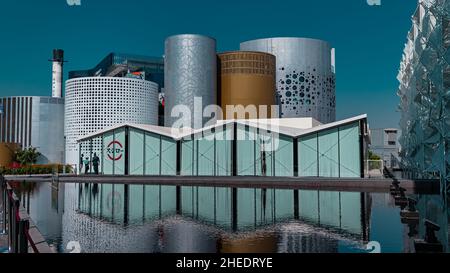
(425, 94)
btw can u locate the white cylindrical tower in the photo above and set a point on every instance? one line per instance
(57, 72)
(96, 103)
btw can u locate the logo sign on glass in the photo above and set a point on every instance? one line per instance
(115, 150)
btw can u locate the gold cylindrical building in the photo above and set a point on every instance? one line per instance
(247, 79)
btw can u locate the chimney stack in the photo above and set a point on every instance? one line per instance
(57, 73)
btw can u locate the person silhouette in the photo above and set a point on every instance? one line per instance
(80, 166)
(86, 165)
(95, 163)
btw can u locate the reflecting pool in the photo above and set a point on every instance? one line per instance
(169, 219)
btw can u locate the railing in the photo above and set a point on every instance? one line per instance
(17, 228)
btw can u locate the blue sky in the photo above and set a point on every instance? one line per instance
(369, 40)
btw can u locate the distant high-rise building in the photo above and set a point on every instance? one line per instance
(190, 72)
(424, 93)
(305, 76)
(385, 144)
(119, 65)
(34, 122)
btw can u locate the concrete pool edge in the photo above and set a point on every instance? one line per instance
(312, 183)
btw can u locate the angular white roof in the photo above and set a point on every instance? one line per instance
(289, 127)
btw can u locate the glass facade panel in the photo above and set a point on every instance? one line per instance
(119, 151)
(284, 157)
(329, 153)
(152, 154)
(264, 153)
(187, 158)
(223, 153)
(246, 151)
(308, 156)
(206, 152)
(168, 156)
(350, 162)
(136, 152)
(108, 162)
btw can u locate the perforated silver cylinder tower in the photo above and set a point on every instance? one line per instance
(190, 66)
(305, 76)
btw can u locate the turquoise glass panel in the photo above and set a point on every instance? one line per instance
(119, 152)
(329, 153)
(308, 156)
(152, 154)
(223, 153)
(187, 158)
(284, 157)
(108, 162)
(168, 156)
(136, 152)
(350, 162)
(206, 155)
(246, 151)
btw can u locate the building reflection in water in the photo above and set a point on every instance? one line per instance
(435, 209)
(154, 218)
(208, 219)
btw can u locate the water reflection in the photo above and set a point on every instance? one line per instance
(155, 218)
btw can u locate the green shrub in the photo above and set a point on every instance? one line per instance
(35, 169)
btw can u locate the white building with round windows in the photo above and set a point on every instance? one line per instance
(96, 103)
